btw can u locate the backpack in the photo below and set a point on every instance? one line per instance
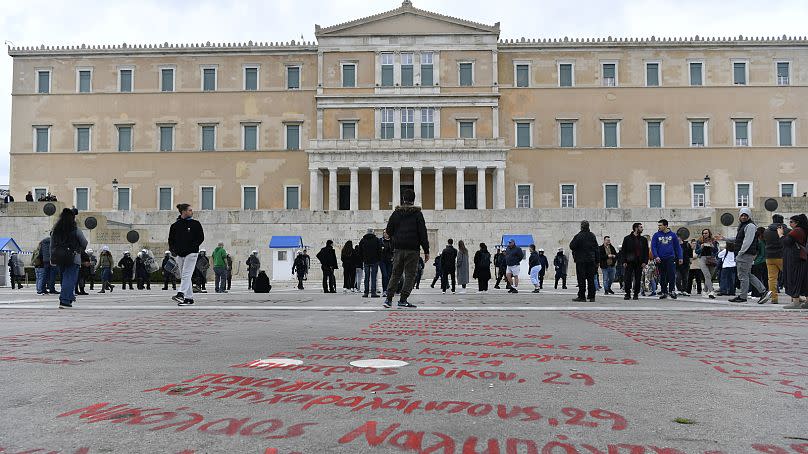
(485, 259)
(63, 250)
(36, 258)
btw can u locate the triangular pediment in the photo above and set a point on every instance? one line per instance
(406, 20)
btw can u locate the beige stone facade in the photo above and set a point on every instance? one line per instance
(410, 98)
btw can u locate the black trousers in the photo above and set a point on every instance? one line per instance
(698, 277)
(300, 276)
(682, 273)
(329, 280)
(91, 279)
(501, 276)
(633, 277)
(169, 279)
(563, 278)
(229, 278)
(586, 277)
(482, 284)
(250, 280)
(437, 276)
(444, 280)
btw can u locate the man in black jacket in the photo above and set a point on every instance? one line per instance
(328, 263)
(127, 266)
(774, 253)
(371, 249)
(635, 256)
(544, 265)
(184, 239)
(407, 229)
(584, 247)
(448, 260)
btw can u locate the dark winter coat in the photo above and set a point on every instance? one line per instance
(185, 236)
(371, 248)
(604, 259)
(543, 262)
(513, 256)
(253, 266)
(533, 260)
(448, 259)
(482, 265)
(407, 229)
(635, 249)
(328, 258)
(584, 247)
(774, 247)
(561, 263)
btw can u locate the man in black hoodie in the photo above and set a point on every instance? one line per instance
(584, 247)
(407, 229)
(328, 263)
(371, 248)
(635, 256)
(774, 252)
(184, 239)
(448, 260)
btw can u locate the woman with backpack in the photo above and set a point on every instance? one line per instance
(105, 263)
(67, 244)
(482, 268)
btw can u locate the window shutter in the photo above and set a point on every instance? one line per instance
(654, 138)
(785, 133)
(695, 74)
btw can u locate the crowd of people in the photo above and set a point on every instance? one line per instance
(45, 197)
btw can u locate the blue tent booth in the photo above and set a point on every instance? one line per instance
(284, 249)
(7, 246)
(522, 241)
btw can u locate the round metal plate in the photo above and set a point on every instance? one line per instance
(727, 219)
(91, 223)
(132, 236)
(49, 209)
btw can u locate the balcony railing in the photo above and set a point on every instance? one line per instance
(398, 143)
(782, 80)
(609, 82)
(741, 142)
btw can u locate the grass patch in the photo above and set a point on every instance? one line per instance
(684, 421)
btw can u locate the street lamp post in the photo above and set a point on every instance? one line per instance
(707, 191)
(114, 193)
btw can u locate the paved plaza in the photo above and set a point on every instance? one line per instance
(288, 372)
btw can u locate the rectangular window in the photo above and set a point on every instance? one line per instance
(741, 133)
(739, 73)
(250, 198)
(43, 81)
(166, 138)
(655, 198)
(523, 193)
(125, 80)
(567, 134)
(250, 133)
(565, 75)
(610, 134)
(466, 129)
(208, 197)
(42, 139)
(387, 69)
(387, 125)
(698, 195)
(654, 133)
(698, 136)
(208, 79)
(652, 74)
(567, 196)
(743, 194)
(85, 80)
(208, 138)
(407, 123)
(427, 78)
(785, 133)
(251, 78)
(783, 73)
(348, 130)
(83, 199)
(167, 79)
(522, 75)
(696, 74)
(124, 138)
(609, 74)
(40, 193)
(348, 75)
(166, 199)
(292, 137)
(610, 195)
(124, 199)
(293, 77)
(407, 70)
(466, 74)
(83, 138)
(428, 123)
(292, 197)
(786, 189)
(523, 134)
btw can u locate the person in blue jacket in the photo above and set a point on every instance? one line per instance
(667, 254)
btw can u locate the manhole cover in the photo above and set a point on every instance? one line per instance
(378, 363)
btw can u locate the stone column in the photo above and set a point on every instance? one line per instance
(460, 186)
(438, 188)
(396, 186)
(314, 192)
(332, 189)
(481, 188)
(416, 182)
(500, 177)
(354, 188)
(374, 189)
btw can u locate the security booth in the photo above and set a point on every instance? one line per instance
(522, 241)
(7, 246)
(283, 250)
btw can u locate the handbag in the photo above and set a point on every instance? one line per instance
(803, 252)
(712, 261)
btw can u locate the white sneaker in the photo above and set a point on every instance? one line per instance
(444, 292)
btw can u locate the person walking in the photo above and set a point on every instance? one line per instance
(728, 270)
(16, 270)
(560, 265)
(745, 257)
(774, 253)
(513, 261)
(371, 248)
(438, 270)
(420, 275)
(462, 265)
(544, 265)
(584, 247)
(105, 262)
(448, 260)
(184, 238)
(667, 253)
(707, 257)
(328, 263)
(39, 274)
(407, 229)
(142, 275)
(635, 256)
(608, 262)
(299, 269)
(92, 268)
(482, 268)
(229, 261)
(500, 268)
(795, 260)
(683, 270)
(220, 268)
(168, 275)
(348, 270)
(84, 272)
(534, 266)
(253, 266)
(759, 264)
(66, 245)
(307, 259)
(127, 266)
(386, 262)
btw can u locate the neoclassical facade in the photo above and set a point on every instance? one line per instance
(413, 99)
